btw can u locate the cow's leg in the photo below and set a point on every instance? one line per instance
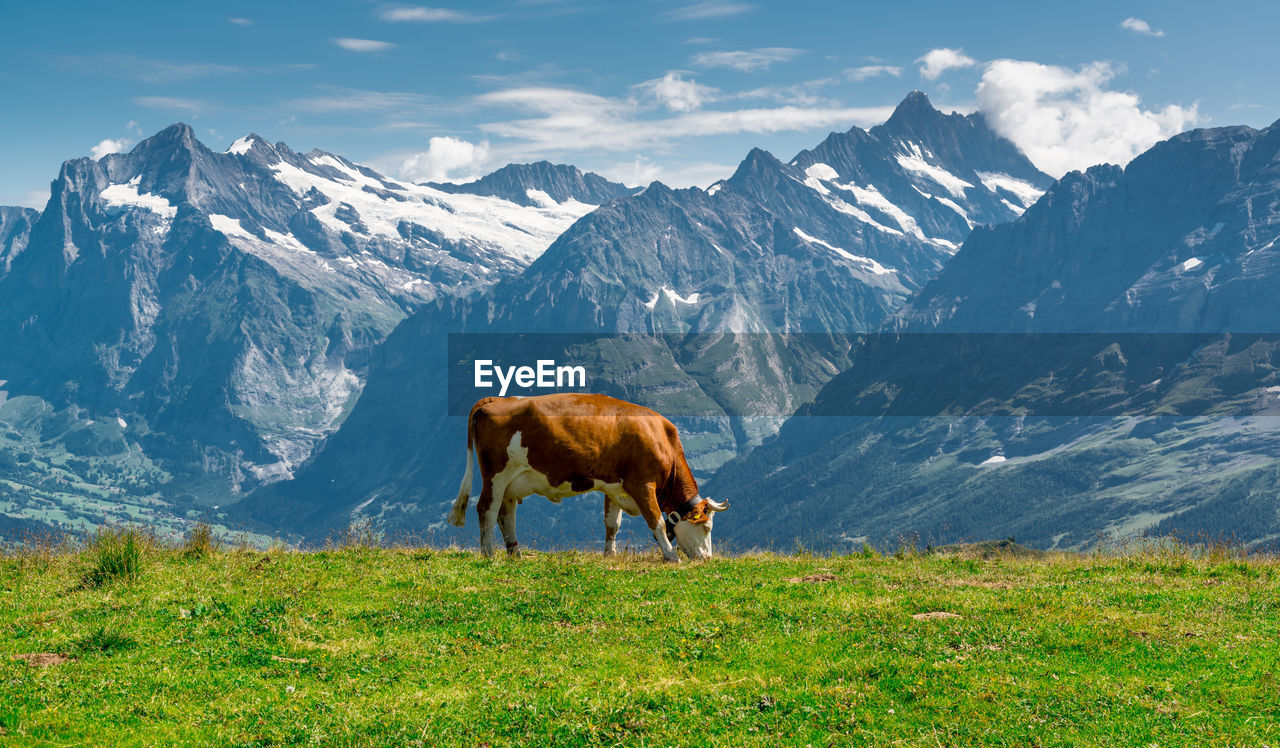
(491, 497)
(507, 523)
(646, 498)
(612, 519)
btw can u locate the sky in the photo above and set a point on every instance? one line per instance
(673, 90)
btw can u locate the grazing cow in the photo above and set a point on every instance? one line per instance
(569, 444)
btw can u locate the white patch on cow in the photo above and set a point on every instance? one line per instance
(695, 539)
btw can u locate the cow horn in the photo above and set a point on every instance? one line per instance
(713, 506)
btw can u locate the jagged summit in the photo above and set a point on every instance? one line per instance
(535, 183)
(248, 144)
(916, 105)
(1174, 242)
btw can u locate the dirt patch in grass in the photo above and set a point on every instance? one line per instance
(813, 579)
(935, 615)
(986, 585)
(43, 659)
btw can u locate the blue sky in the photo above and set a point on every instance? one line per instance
(639, 90)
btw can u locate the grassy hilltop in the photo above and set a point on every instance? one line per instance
(360, 645)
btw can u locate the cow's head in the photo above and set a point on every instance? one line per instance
(693, 531)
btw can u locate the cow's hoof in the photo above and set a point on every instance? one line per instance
(513, 553)
(671, 559)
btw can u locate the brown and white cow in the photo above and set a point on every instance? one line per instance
(569, 444)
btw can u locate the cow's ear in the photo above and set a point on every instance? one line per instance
(697, 516)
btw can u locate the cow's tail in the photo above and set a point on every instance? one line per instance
(458, 517)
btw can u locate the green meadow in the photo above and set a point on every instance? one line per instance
(127, 641)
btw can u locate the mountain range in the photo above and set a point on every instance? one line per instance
(833, 241)
(1122, 391)
(906, 331)
(182, 325)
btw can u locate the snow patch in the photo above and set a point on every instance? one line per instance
(816, 185)
(952, 204)
(1191, 264)
(673, 296)
(127, 196)
(353, 175)
(914, 161)
(861, 215)
(678, 299)
(822, 171)
(994, 460)
(872, 198)
(1017, 209)
(541, 198)
(241, 146)
(871, 265)
(123, 423)
(229, 226)
(1026, 192)
(518, 231)
(713, 189)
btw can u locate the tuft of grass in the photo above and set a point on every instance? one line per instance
(105, 640)
(115, 554)
(37, 550)
(361, 535)
(200, 541)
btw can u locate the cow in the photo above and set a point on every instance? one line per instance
(569, 444)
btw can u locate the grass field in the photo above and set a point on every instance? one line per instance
(366, 646)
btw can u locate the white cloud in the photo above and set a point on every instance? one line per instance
(150, 70)
(1139, 26)
(241, 21)
(1066, 119)
(35, 199)
(420, 14)
(194, 106)
(935, 62)
(639, 172)
(746, 60)
(446, 159)
(363, 45)
(109, 146)
(644, 170)
(565, 120)
(804, 93)
(678, 94)
(341, 99)
(871, 71)
(708, 9)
